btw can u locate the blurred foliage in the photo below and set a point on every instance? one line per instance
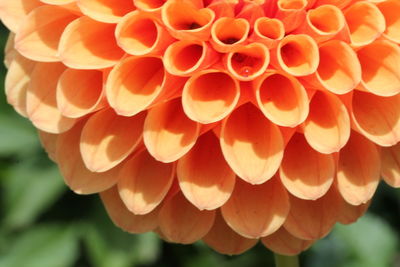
(43, 224)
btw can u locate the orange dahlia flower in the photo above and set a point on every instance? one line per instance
(227, 121)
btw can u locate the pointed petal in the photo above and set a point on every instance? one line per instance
(390, 171)
(181, 222)
(224, 240)
(205, 178)
(123, 218)
(254, 211)
(144, 182)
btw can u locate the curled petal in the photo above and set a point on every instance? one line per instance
(339, 3)
(204, 176)
(151, 6)
(224, 240)
(228, 33)
(168, 133)
(109, 11)
(358, 170)
(210, 95)
(282, 242)
(306, 173)
(79, 92)
(291, 12)
(75, 174)
(107, 139)
(39, 35)
(89, 44)
(254, 211)
(327, 127)
(143, 182)
(181, 222)
(268, 31)
(376, 117)
(253, 152)
(41, 104)
(125, 219)
(12, 13)
(390, 10)
(282, 98)
(390, 171)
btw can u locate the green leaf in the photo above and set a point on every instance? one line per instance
(42, 246)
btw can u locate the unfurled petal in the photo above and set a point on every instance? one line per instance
(390, 171)
(13, 13)
(390, 10)
(109, 11)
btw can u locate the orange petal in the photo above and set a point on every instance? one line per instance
(291, 12)
(204, 176)
(168, 134)
(79, 92)
(282, 242)
(254, 211)
(151, 6)
(89, 44)
(144, 182)
(251, 11)
(181, 222)
(390, 171)
(296, 54)
(268, 31)
(327, 127)
(254, 152)
(380, 71)
(228, 33)
(390, 9)
(58, 2)
(210, 95)
(107, 139)
(312, 219)
(109, 11)
(41, 99)
(339, 3)
(376, 117)
(224, 240)
(306, 173)
(123, 218)
(348, 213)
(136, 82)
(76, 175)
(247, 62)
(39, 35)
(9, 50)
(17, 81)
(13, 13)
(49, 142)
(281, 98)
(183, 58)
(358, 170)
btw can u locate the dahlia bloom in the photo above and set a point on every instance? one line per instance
(227, 121)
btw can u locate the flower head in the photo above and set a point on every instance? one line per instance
(228, 121)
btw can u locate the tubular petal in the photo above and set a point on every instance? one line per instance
(143, 182)
(281, 98)
(390, 171)
(58, 2)
(253, 152)
(181, 222)
(123, 218)
(183, 58)
(254, 211)
(17, 81)
(41, 104)
(109, 11)
(339, 3)
(268, 31)
(168, 133)
(365, 21)
(223, 8)
(13, 12)
(247, 62)
(306, 173)
(376, 117)
(89, 44)
(224, 240)
(358, 170)
(39, 35)
(282, 242)
(149, 5)
(296, 54)
(228, 33)
(210, 95)
(312, 219)
(327, 127)
(390, 10)
(136, 82)
(107, 139)
(76, 175)
(380, 69)
(251, 11)
(204, 176)
(49, 142)
(79, 92)
(140, 33)
(291, 12)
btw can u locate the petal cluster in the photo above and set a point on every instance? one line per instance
(230, 121)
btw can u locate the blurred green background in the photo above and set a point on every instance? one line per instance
(44, 224)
